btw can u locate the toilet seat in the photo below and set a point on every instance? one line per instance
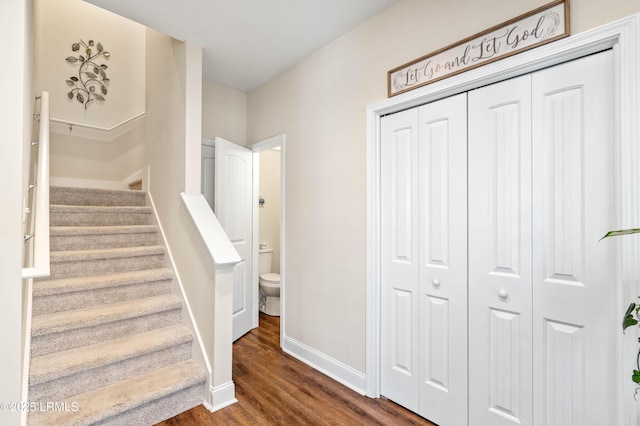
(270, 278)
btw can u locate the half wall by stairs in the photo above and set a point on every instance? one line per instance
(107, 343)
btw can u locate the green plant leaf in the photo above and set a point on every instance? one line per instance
(621, 232)
(636, 376)
(628, 319)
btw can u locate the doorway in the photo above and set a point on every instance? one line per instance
(270, 153)
(217, 180)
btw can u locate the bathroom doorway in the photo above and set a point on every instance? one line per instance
(269, 214)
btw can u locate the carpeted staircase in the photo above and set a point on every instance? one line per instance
(108, 346)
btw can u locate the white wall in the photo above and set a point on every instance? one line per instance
(269, 215)
(224, 113)
(320, 105)
(166, 153)
(16, 107)
(76, 155)
(61, 23)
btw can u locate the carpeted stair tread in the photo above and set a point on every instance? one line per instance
(101, 230)
(82, 318)
(101, 237)
(98, 209)
(124, 396)
(69, 215)
(103, 254)
(95, 196)
(76, 284)
(65, 363)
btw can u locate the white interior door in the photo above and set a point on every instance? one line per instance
(443, 260)
(400, 368)
(500, 276)
(424, 260)
(575, 326)
(233, 207)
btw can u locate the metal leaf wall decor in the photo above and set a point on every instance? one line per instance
(91, 82)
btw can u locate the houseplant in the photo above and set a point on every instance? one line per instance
(632, 315)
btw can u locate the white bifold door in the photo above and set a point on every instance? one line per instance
(498, 302)
(424, 260)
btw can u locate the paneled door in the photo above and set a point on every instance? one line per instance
(500, 305)
(574, 203)
(541, 194)
(233, 207)
(424, 262)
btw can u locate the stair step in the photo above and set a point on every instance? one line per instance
(99, 237)
(59, 375)
(81, 327)
(82, 292)
(95, 196)
(144, 399)
(63, 215)
(75, 263)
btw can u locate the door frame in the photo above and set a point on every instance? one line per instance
(623, 37)
(266, 144)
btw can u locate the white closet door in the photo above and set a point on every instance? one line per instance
(424, 260)
(575, 323)
(500, 276)
(443, 260)
(399, 259)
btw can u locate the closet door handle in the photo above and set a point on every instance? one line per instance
(503, 294)
(436, 283)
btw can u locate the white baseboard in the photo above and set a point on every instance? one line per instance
(221, 396)
(338, 371)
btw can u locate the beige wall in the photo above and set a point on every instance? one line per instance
(58, 25)
(16, 107)
(269, 215)
(82, 158)
(224, 113)
(320, 105)
(166, 154)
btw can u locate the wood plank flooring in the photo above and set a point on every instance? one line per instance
(274, 388)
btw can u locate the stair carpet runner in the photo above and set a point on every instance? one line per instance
(107, 343)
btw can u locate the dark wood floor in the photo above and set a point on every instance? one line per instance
(274, 388)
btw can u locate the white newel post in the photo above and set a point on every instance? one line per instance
(222, 389)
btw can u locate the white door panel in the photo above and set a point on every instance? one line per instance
(443, 260)
(233, 207)
(399, 259)
(500, 273)
(497, 301)
(574, 201)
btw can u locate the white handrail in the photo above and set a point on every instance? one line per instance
(41, 244)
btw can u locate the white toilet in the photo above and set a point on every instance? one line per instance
(269, 284)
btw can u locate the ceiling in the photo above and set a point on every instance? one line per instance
(247, 42)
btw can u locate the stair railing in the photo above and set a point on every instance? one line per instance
(36, 239)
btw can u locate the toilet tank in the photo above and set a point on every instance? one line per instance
(265, 256)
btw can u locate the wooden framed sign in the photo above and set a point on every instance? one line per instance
(540, 26)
